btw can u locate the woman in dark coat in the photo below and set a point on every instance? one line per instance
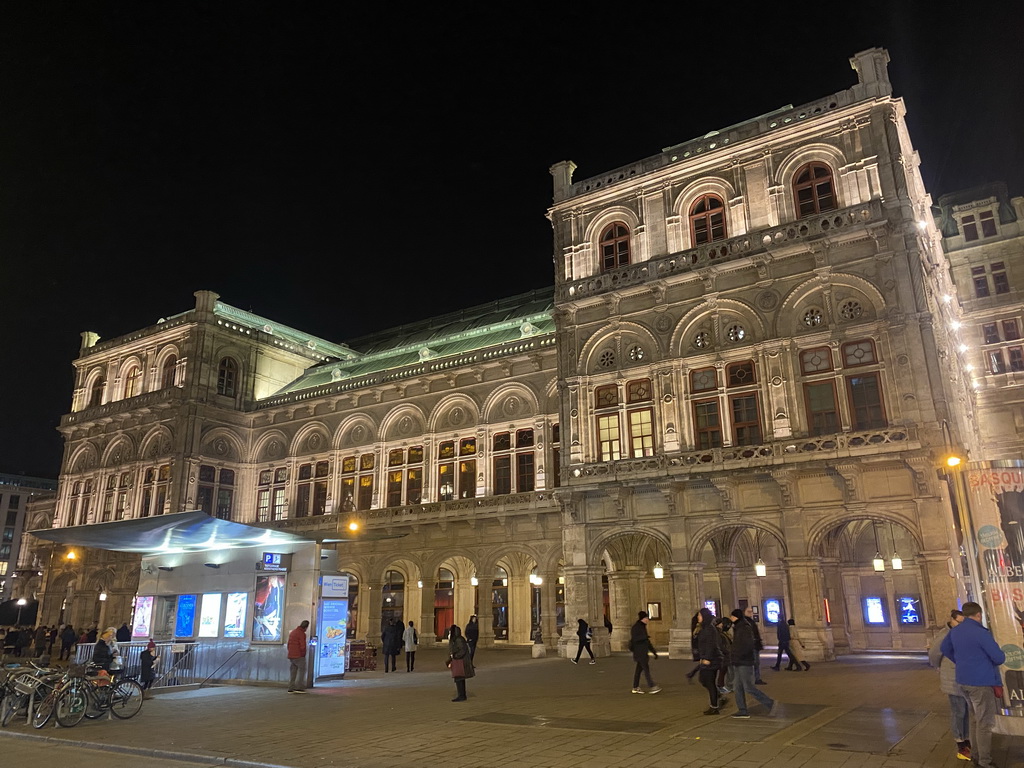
(459, 661)
(694, 631)
(148, 659)
(583, 633)
(710, 650)
(103, 652)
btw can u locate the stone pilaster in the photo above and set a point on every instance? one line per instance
(807, 608)
(688, 591)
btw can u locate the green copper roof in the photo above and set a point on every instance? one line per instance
(309, 342)
(438, 339)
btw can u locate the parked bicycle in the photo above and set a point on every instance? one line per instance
(19, 685)
(85, 696)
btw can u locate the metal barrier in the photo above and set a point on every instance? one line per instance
(178, 664)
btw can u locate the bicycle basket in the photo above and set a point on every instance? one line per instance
(76, 670)
(26, 685)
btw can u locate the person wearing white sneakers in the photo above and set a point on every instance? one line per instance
(584, 633)
(640, 645)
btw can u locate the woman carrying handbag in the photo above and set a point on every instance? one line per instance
(459, 661)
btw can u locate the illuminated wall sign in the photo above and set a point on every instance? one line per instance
(772, 610)
(209, 615)
(185, 619)
(710, 605)
(334, 586)
(910, 609)
(268, 608)
(141, 624)
(275, 561)
(234, 614)
(874, 611)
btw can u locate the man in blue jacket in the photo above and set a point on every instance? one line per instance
(977, 657)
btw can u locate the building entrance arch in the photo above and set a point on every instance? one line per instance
(635, 566)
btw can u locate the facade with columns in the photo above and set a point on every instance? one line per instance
(753, 355)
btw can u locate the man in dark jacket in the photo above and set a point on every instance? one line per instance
(68, 637)
(744, 655)
(782, 628)
(748, 614)
(472, 635)
(124, 634)
(391, 643)
(709, 649)
(977, 656)
(640, 645)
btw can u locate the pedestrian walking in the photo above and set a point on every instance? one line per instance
(784, 635)
(124, 633)
(148, 660)
(744, 655)
(68, 638)
(410, 639)
(960, 719)
(51, 639)
(748, 614)
(694, 631)
(794, 640)
(40, 639)
(641, 646)
(459, 661)
(585, 635)
(472, 635)
(725, 674)
(710, 649)
(297, 658)
(977, 656)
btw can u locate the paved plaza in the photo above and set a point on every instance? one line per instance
(883, 712)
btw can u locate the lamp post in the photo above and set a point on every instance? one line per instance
(22, 602)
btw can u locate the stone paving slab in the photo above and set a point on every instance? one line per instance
(864, 729)
(378, 720)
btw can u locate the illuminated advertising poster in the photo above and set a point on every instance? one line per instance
(209, 615)
(995, 507)
(772, 610)
(874, 613)
(234, 614)
(185, 618)
(333, 628)
(268, 608)
(141, 624)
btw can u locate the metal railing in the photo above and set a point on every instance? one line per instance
(178, 663)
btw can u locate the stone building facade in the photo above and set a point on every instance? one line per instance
(754, 355)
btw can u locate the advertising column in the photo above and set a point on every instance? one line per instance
(994, 492)
(332, 627)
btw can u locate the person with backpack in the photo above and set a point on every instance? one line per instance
(709, 648)
(585, 634)
(744, 655)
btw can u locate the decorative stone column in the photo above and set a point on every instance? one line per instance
(583, 601)
(370, 595)
(688, 591)
(548, 619)
(727, 584)
(832, 587)
(806, 607)
(626, 592)
(520, 598)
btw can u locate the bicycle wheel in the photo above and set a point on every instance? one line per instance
(126, 699)
(97, 703)
(13, 702)
(44, 710)
(71, 705)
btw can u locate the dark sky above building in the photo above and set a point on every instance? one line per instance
(345, 168)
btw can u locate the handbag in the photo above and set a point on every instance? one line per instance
(458, 667)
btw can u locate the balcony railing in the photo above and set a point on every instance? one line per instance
(146, 400)
(887, 440)
(723, 251)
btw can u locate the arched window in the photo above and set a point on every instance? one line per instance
(167, 372)
(813, 190)
(614, 246)
(707, 219)
(227, 377)
(132, 382)
(96, 391)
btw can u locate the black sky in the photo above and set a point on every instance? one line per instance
(344, 169)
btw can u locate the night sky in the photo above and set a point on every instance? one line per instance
(343, 168)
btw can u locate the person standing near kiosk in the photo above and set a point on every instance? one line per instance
(297, 658)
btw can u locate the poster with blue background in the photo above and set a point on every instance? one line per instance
(332, 629)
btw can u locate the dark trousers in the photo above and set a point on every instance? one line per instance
(784, 648)
(460, 687)
(584, 643)
(708, 677)
(65, 651)
(393, 658)
(643, 665)
(472, 648)
(410, 660)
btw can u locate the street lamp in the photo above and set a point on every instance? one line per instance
(22, 602)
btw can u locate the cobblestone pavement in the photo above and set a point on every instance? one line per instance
(881, 712)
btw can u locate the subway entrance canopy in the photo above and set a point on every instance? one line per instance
(166, 534)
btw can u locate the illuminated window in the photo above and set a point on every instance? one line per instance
(156, 483)
(608, 439)
(812, 190)
(614, 246)
(405, 476)
(357, 482)
(133, 382)
(514, 465)
(311, 489)
(707, 220)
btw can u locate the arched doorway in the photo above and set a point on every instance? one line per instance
(635, 572)
(392, 606)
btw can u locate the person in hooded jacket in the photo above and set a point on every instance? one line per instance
(725, 673)
(694, 631)
(710, 650)
(959, 713)
(391, 644)
(640, 645)
(583, 633)
(459, 661)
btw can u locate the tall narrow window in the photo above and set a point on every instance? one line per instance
(813, 190)
(167, 374)
(556, 456)
(609, 438)
(513, 462)
(822, 414)
(311, 489)
(990, 332)
(970, 228)
(270, 495)
(988, 224)
(96, 392)
(980, 282)
(1011, 330)
(614, 246)
(227, 377)
(155, 486)
(707, 220)
(640, 420)
(865, 392)
(746, 420)
(133, 382)
(707, 425)
(999, 279)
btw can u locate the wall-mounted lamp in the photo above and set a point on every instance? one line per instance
(659, 571)
(878, 563)
(897, 561)
(103, 597)
(353, 526)
(419, 584)
(212, 565)
(474, 581)
(760, 569)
